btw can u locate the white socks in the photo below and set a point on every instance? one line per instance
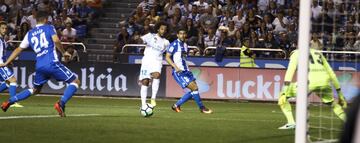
(155, 87)
(143, 94)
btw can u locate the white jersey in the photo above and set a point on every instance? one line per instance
(155, 46)
(178, 51)
(3, 46)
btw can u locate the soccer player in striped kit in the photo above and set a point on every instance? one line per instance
(176, 57)
(7, 78)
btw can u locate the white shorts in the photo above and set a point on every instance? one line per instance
(148, 67)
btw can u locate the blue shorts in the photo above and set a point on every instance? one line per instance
(54, 70)
(183, 78)
(5, 73)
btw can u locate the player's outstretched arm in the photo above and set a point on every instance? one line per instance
(12, 57)
(170, 62)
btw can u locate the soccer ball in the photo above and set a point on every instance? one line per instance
(147, 111)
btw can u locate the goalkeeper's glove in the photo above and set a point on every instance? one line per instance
(342, 100)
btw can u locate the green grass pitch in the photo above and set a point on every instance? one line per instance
(119, 120)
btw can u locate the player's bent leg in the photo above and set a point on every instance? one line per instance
(195, 94)
(19, 97)
(155, 87)
(338, 110)
(285, 107)
(143, 91)
(12, 91)
(69, 92)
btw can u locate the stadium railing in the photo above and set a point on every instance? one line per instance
(124, 48)
(64, 43)
(253, 49)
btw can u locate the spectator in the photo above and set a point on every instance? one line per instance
(154, 18)
(194, 15)
(4, 10)
(14, 7)
(186, 8)
(132, 27)
(192, 32)
(84, 14)
(139, 16)
(224, 40)
(280, 23)
(229, 6)
(315, 43)
(20, 18)
(32, 19)
(208, 21)
(284, 43)
(238, 39)
(170, 7)
(225, 18)
(202, 6)
(22, 30)
(216, 6)
(254, 40)
(211, 40)
(316, 10)
(239, 19)
(252, 20)
(270, 43)
(71, 55)
(26, 6)
(232, 29)
(263, 5)
(246, 30)
(69, 33)
(122, 38)
(146, 5)
(273, 10)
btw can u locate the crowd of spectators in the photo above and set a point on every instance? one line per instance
(71, 18)
(271, 24)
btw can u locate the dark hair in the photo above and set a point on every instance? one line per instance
(181, 29)
(41, 15)
(3, 23)
(158, 25)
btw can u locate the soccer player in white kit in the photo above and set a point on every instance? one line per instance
(151, 63)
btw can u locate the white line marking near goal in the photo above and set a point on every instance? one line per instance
(45, 116)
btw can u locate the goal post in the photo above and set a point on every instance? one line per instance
(302, 72)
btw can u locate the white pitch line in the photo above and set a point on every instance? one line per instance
(45, 116)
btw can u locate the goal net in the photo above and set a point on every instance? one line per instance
(334, 29)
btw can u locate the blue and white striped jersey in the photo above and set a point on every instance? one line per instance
(178, 51)
(3, 46)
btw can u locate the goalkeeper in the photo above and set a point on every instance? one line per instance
(321, 76)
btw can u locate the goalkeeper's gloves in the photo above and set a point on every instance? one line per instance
(342, 100)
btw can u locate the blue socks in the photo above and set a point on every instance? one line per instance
(183, 99)
(69, 92)
(3, 86)
(187, 96)
(21, 96)
(196, 96)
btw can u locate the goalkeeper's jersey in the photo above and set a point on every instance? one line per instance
(320, 72)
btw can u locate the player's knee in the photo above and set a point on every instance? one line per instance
(282, 99)
(77, 82)
(193, 87)
(36, 90)
(155, 75)
(145, 82)
(11, 80)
